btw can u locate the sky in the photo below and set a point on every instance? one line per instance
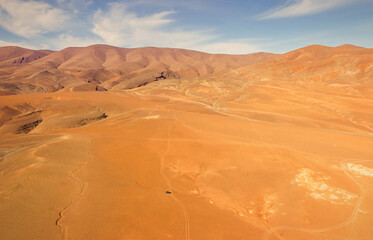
(214, 26)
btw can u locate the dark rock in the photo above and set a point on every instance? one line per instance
(29, 126)
(100, 89)
(142, 84)
(85, 121)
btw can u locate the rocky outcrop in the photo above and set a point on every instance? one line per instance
(100, 89)
(168, 74)
(86, 121)
(28, 127)
(163, 75)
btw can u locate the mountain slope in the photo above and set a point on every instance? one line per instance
(315, 63)
(18, 55)
(103, 67)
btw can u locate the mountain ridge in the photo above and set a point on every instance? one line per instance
(103, 67)
(107, 67)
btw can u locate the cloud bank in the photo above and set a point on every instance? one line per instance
(43, 25)
(121, 27)
(295, 8)
(31, 18)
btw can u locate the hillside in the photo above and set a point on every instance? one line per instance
(186, 145)
(102, 67)
(315, 64)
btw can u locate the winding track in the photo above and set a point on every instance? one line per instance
(318, 94)
(72, 204)
(274, 230)
(218, 110)
(169, 185)
(62, 212)
(331, 228)
(36, 145)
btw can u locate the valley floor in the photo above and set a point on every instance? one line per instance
(206, 159)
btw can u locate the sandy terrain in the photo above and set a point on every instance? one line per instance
(222, 156)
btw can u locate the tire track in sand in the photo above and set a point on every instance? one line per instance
(62, 212)
(168, 182)
(350, 220)
(73, 203)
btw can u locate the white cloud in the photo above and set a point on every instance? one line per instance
(74, 5)
(115, 25)
(56, 43)
(121, 27)
(31, 18)
(23, 44)
(294, 8)
(118, 26)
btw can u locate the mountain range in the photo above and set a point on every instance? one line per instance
(103, 67)
(102, 142)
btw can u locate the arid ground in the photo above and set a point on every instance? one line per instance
(138, 144)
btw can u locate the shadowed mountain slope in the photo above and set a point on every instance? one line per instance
(102, 67)
(18, 55)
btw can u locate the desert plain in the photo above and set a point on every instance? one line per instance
(111, 143)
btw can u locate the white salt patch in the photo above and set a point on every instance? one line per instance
(314, 183)
(152, 117)
(359, 169)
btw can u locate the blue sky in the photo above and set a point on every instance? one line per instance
(215, 26)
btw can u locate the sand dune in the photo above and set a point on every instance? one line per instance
(255, 151)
